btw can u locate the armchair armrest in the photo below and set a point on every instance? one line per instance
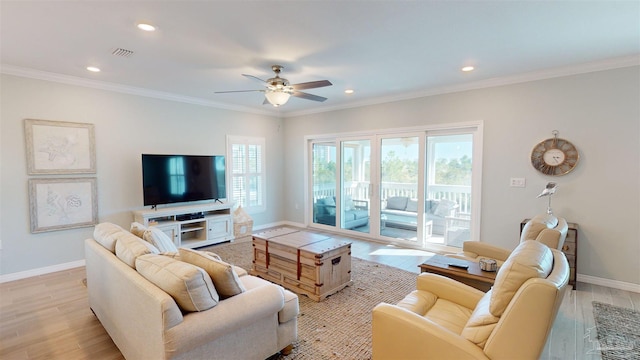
(449, 289)
(401, 334)
(361, 204)
(477, 248)
(237, 312)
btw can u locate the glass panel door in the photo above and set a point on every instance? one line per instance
(399, 192)
(355, 185)
(448, 188)
(323, 178)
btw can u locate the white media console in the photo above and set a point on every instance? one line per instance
(191, 226)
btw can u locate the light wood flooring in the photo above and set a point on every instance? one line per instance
(48, 317)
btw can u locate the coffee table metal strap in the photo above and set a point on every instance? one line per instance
(299, 265)
(266, 249)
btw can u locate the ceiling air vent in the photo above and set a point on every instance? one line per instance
(122, 52)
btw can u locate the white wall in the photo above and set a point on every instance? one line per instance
(599, 112)
(125, 127)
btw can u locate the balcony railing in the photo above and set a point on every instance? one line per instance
(359, 190)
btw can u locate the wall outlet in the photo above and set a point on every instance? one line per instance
(517, 182)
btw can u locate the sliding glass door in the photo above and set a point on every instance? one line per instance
(399, 190)
(355, 183)
(449, 175)
(418, 188)
(323, 182)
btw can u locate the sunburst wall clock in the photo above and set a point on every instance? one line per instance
(554, 156)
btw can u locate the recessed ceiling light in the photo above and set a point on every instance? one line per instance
(146, 27)
(93, 69)
(468, 68)
(348, 91)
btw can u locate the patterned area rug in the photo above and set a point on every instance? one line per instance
(338, 327)
(618, 331)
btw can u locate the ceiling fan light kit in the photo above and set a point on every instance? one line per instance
(278, 91)
(277, 97)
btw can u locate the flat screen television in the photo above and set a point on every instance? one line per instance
(182, 178)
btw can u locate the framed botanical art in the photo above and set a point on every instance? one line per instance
(64, 203)
(59, 147)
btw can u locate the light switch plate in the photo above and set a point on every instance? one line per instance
(518, 182)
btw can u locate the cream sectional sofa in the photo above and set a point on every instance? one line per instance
(146, 322)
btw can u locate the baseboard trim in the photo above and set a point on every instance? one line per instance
(620, 285)
(40, 271)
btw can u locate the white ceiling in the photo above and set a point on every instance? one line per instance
(384, 50)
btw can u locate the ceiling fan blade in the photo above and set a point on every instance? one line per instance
(311, 85)
(308, 96)
(254, 77)
(236, 91)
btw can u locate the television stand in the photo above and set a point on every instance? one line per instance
(191, 226)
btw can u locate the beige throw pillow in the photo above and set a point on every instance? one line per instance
(129, 247)
(137, 229)
(224, 278)
(107, 234)
(189, 285)
(159, 239)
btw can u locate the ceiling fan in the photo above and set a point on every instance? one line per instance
(278, 90)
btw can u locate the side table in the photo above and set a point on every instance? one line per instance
(570, 249)
(472, 275)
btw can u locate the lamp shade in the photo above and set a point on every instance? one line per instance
(277, 98)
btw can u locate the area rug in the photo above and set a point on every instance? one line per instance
(338, 327)
(618, 331)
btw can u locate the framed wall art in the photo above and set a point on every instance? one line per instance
(59, 147)
(65, 203)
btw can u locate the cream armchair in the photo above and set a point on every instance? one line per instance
(445, 319)
(547, 229)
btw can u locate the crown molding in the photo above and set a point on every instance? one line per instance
(608, 64)
(125, 89)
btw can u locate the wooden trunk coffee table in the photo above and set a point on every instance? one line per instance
(472, 276)
(312, 264)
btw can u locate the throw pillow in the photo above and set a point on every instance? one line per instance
(330, 206)
(430, 205)
(107, 234)
(412, 205)
(189, 285)
(129, 247)
(444, 208)
(159, 239)
(173, 254)
(348, 204)
(397, 203)
(137, 229)
(224, 277)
